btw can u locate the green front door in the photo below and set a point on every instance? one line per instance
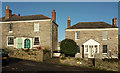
(19, 43)
(27, 43)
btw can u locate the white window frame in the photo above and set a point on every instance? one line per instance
(9, 28)
(13, 41)
(38, 26)
(34, 40)
(76, 35)
(102, 50)
(85, 49)
(106, 34)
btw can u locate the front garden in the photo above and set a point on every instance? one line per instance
(37, 54)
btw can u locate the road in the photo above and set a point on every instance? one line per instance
(18, 65)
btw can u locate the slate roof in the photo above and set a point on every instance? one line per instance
(90, 25)
(23, 18)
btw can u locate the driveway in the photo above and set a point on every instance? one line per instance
(20, 65)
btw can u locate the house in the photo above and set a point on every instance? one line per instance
(23, 32)
(95, 39)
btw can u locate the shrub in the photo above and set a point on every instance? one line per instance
(69, 47)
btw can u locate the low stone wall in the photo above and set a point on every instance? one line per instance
(99, 64)
(34, 55)
(46, 55)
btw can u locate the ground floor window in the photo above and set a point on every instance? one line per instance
(10, 41)
(36, 41)
(104, 48)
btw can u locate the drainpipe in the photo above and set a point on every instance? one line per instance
(51, 39)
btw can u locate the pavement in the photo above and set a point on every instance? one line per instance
(19, 65)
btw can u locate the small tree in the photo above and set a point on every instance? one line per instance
(69, 47)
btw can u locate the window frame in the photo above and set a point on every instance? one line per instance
(105, 49)
(8, 40)
(76, 35)
(34, 40)
(106, 35)
(35, 29)
(10, 28)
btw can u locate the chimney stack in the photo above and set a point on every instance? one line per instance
(54, 15)
(115, 21)
(18, 14)
(68, 22)
(8, 12)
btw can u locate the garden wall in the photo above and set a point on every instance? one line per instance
(32, 54)
(99, 64)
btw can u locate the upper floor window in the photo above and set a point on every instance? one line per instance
(36, 26)
(104, 48)
(36, 40)
(77, 35)
(10, 27)
(105, 35)
(10, 41)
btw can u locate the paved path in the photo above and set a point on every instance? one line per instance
(36, 67)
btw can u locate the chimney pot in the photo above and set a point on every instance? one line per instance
(7, 7)
(18, 14)
(54, 15)
(114, 21)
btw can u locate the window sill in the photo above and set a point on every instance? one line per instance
(77, 39)
(104, 53)
(10, 45)
(36, 45)
(36, 31)
(105, 39)
(10, 31)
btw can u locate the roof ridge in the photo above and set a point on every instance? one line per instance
(94, 22)
(100, 24)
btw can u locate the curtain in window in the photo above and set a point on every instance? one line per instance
(10, 40)
(36, 26)
(105, 35)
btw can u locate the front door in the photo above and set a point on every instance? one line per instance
(27, 43)
(91, 51)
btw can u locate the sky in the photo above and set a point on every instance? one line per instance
(78, 12)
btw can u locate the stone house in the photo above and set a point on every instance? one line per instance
(95, 39)
(31, 31)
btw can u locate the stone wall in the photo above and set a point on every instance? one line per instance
(112, 42)
(99, 64)
(31, 54)
(54, 36)
(34, 55)
(26, 29)
(46, 54)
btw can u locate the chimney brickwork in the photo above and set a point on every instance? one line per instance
(115, 21)
(54, 15)
(68, 22)
(8, 12)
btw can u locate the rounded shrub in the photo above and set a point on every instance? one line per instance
(69, 47)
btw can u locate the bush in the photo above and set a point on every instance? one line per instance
(69, 47)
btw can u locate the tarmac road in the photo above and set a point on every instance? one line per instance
(19, 65)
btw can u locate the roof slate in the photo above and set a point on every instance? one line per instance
(90, 25)
(22, 18)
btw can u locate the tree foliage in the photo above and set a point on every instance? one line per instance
(69, 47)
